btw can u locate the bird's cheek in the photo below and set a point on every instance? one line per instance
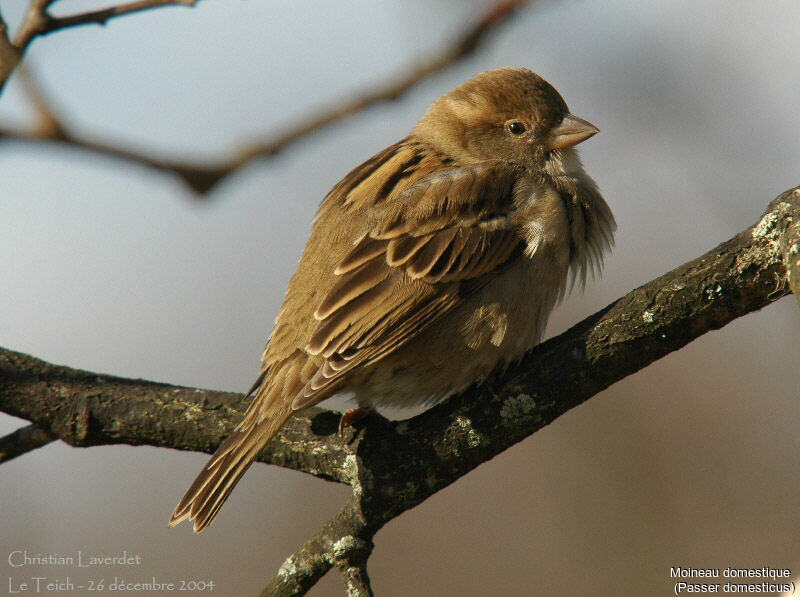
(531, 155)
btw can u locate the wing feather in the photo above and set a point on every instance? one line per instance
(323, 339)
(401, 249)
(423, 260)
(353, 284)
(365, 250)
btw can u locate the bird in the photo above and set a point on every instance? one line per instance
(429, 266)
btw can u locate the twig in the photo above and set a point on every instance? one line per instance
(38, 22)
(23, 440)
(203, 177)
(49, 125)
(464, 46)
(9, 56)
(103, 15)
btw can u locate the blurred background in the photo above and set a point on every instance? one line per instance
(118, 269)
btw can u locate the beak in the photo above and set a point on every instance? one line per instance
(571, 131)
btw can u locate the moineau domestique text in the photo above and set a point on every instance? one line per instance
(764, 572)
(20, 558)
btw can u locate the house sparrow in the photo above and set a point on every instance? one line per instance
(428, 265)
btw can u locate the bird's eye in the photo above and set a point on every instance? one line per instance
(516, 128)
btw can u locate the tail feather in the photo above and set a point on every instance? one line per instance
(215, 482)
(211, 498)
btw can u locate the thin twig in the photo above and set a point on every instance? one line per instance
(203, 177)
(23, 440)
(38, 22)
(103, 15)
(9, 56)
(464, 46)
(49, 124)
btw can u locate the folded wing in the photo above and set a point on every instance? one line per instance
(445, 237)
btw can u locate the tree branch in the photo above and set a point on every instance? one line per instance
(9, 56)
(345, 541)
(352, 554)
(400, 465)
(393, 466)
(202, 177)
(38, 22)
(87, 409)
(23, 440)
(103, 15)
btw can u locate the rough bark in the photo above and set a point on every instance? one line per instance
(393, 466)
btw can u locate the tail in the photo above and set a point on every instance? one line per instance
(215, 482)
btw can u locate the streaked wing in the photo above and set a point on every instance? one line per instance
(445, 237)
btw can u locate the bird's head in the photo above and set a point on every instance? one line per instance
(509, 114)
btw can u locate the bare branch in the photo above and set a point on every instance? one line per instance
(356, 579)
(87, 409)
(38, 22)
(23, 440)
(203, 177)
(49, 124)
(397, 466)
(345, 542)
(464, 46)
(393, 466)
(103, 15)
(9, 56)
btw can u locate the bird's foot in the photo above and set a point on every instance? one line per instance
(354, 415)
